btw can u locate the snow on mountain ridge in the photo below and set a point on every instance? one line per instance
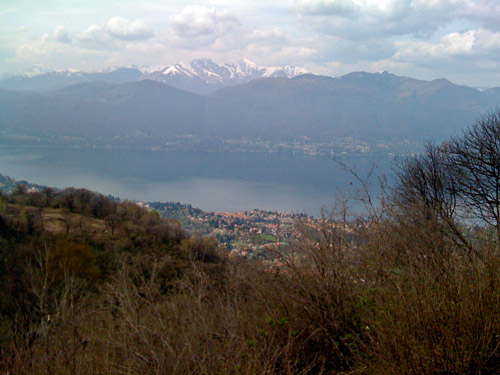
(202, 76)
(224, 73)
(198, 67)
(288, 71)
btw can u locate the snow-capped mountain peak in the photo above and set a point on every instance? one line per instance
(200, 76)
(205, 75)
(288, 71)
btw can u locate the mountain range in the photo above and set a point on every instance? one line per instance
(201, 76)
(372, 107)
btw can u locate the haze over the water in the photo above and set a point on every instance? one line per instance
(426, 39)
(211, 181)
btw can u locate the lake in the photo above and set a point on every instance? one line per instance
(208, 180)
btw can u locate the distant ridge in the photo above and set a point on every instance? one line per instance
(372, 107)
(57, 79)
(200, 76)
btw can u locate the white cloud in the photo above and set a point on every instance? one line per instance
(198, 21)
(273, 35)
(328, 7)
(60, 35)
(212, 32)
(95, 37)
(114, 33)
(131, 30)
(273, 46)
(475, 44)
(458, 43)
(47, 53)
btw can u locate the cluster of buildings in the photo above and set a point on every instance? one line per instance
(255, 234)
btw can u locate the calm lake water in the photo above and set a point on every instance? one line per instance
(211, 181)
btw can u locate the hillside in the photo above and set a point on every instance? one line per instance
(144, 109)
(361, 106)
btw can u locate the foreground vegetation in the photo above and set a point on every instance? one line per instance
(92, 286)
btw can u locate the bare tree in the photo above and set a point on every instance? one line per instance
(425, 183)
(67, 219)
(423, 179)
(473, 161)
(113, 221)
(458, 179)
(48, 194)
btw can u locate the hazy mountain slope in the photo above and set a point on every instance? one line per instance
(493, 96)
(55, 80)
(138, 109)
(364, 106)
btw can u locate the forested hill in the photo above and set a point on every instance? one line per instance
(8, 184)
(107, 230)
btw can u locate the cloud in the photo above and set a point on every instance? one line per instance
(60, 35)
(485, 12)
(344, 8)
(95, 37)
(356, 19)
(458, 39)
(114, 33)
(44, 51)
(198, 21)
(205, 29)
(459, 43)
(200, 31)
(271, 36)
(476, 44)
(129, 30)
(273, 46)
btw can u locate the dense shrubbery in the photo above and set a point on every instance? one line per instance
(412, 288)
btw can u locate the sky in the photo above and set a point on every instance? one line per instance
(425, 39)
